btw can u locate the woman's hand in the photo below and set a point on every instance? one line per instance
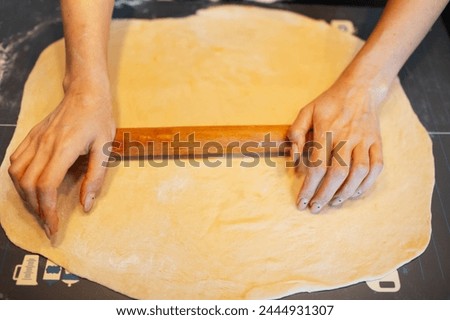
(81, 124)
(348, 109)
(346, 156)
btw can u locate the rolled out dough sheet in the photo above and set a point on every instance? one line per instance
(228, 232)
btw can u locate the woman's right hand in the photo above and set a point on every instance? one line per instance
(81, 124)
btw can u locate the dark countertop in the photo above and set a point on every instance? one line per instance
(425, 78)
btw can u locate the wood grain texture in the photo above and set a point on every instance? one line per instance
(201, 141)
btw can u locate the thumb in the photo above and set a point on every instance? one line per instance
(299, 130)
(94, 177)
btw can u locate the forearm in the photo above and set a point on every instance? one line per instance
(86, 31)
(402, 27)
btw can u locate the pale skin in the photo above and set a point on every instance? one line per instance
(83, 122)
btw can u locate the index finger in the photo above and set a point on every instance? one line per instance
(317, 168)
(48, 183)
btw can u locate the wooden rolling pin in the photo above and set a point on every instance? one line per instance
(201, 141)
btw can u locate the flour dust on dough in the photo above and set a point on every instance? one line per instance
(225, 232)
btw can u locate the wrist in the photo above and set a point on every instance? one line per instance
(89, 91)
(92, 80)
(367, 80)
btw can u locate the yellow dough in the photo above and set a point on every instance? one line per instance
(225, 232)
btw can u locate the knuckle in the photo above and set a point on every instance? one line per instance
(46, 138)
(13, 157)
(345, 194)
(306, 194)
(13, 171)
(94, 181)
(378, 166)
(366, 144)
(318, 171)
(293, 134)
(44, 186)
(34, 132)
(339, 172)
(361, 169)
(347, 191)
(105, 139)
(307, 109)
(27, 186)
(63, 146)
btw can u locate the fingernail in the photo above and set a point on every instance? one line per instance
(47, 231)
(315, 207)
(357, 194)
(302, 204)
(89, 201)
(336, 202)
